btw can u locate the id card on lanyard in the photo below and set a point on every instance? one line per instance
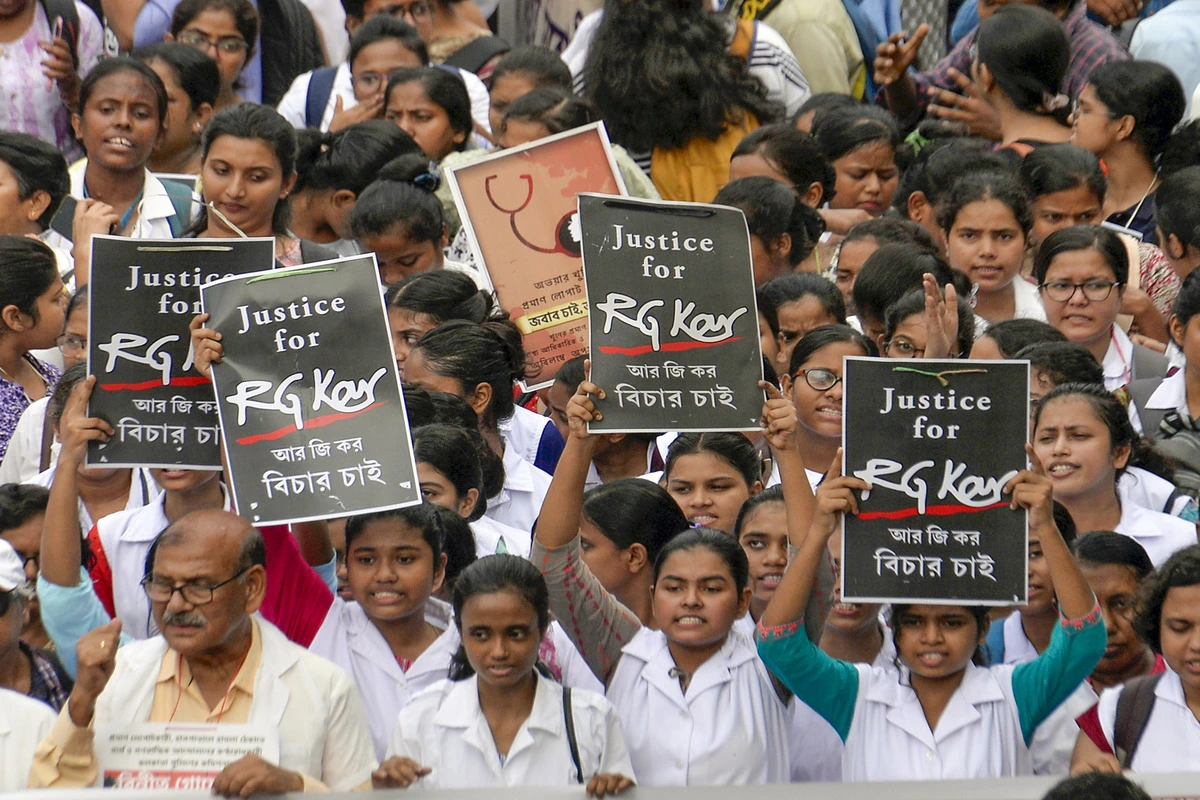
(1126, 358)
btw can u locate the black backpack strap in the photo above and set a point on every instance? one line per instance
(1140, 392)
(477, 52)
(65, 9)
(320, 86)
(1133, 711)
(572, 742)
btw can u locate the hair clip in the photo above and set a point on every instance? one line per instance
(1053, 102)
(429, 181)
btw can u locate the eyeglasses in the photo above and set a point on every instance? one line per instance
(819, 378)
(69, 343)
(1063, 291)
(368, 82)
(414, 10)
(226, 45)
(197, 594)
(902, 348)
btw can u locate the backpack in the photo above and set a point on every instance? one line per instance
(65, 10)
(1133, 711)
(181, 201)
(697, 170)
(320, 86)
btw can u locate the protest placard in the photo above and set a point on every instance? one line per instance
(143, 295)
(938, 441)
(310, 403)
(165, 755)
(673, 319)
(519, 210)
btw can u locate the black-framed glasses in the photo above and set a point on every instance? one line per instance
(819, 378)
(70, 343)
(902, 348)
(419, 10)
(197, 594)
(227, 45)
(1063, 291)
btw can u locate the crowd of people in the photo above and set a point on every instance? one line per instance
(603, 610)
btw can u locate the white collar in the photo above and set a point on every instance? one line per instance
(517, 471)
(460, 708)
(1118, 358)
(1171, 394)
(1134, 524)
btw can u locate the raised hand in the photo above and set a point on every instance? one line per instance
(96, 653)
(941, 319)
(76, 428)
(581, 409)
(206, 346)
(896, 55)
(779, 420)
(835, 497)
(970, 107)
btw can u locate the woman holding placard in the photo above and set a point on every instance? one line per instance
(940, 715)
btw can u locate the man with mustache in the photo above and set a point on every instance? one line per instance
(216, 661)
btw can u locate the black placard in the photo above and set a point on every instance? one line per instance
(937, 440)
(310, 403)
(673, 319)
(143, 294)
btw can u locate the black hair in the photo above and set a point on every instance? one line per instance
(824, 336)
(492, 574)
(1064, 522)
(772, 494)
(433, 521)
(719, 543)
(632, 511)
(794, 154)
(450, 409)
(940, 164)
(571, 373)
(195, 72)
(1145, 90)
(842, 130)
(1096, 786)
(264, 124)
(443, 295)
(540, 65)
(890, 230)
(1175, 208)
(661, 73)
(78, 300)
(72, 376)
(1027, 51)
(1014, 335)
(979, 187)
(732, 448)
(37, 167)
(822, 101)
(772, 209)
(1061, 167)
(1109, 547)
(1083, 237)
(1182, 150)
(111, 66)
(402, 195)
(354, 8)
(556, 108)
(19, 502)
(449, 450)
(443, 88)
(1187, 302)
(30, 269)
(382, 27)
(1181, 569)
(979, 658)
(890, 272)
(350, 158)
(474, 353)
(766, 307)
(1062, 362)
(1114, 416)
(796, 286)
(245, 18)
(912, 303)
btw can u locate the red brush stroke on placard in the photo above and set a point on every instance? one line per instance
(931, 511)
(669, 347)
(144, 385)
(315, 422)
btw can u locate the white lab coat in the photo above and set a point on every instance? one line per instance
(1171, 739)
(23, 723)
(312, 703)
(444, 728)
(978, 734)
(525, 487)
(489, 534)
(153, 220)
(730, 728)
(523, 431)
(348, 639)
(1160, 534)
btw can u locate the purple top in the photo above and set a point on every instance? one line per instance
(13, 400)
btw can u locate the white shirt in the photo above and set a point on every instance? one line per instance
(523, 431)
(294, 102)
(520, 501)
(24, 454)
(730, 728)
(155, 210)
(1143, 488)
(1171, 739)
(1172, 37)
(23, 723)
(1028, 301)
(444, 728)
(143, 489)
(489, 534)
(349, 639)
(1161, 534)
(1118, 360)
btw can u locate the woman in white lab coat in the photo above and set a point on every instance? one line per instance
(499, 721)
(939, 716)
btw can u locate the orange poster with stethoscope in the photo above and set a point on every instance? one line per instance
(519, 208)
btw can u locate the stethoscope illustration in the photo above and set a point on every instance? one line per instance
(566, 242)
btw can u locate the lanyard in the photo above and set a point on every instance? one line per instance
(1116, 346)
(128, 212)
